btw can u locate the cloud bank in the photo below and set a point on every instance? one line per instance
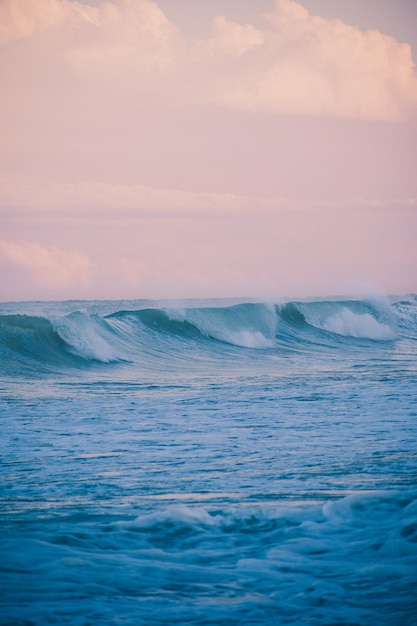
(297, 64)
(97, 240)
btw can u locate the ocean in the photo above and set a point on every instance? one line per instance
(209, 462)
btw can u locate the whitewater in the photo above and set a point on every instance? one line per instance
(209, 462)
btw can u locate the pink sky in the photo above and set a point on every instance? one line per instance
(185, 149)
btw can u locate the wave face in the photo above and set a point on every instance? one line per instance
(145, 334)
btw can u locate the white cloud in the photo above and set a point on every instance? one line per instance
(51, 268)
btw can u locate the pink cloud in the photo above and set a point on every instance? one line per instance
(297, 64)
(21, 19)
(302, 64)
(50, 268)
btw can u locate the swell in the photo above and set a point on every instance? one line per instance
(29, 341)
(81, 339)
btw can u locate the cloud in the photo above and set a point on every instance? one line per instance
(299, 251)
(124, 35)
(21, 19)
(128, 37)
(229, 38)
(82, 200)
(51, 268)
(296, 64)
(302, 64)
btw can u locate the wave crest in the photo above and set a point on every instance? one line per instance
(152, 336)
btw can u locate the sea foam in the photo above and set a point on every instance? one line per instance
(361, 325)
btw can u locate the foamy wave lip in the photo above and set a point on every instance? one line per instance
(248, 339)
(176, 515)
(360, 325)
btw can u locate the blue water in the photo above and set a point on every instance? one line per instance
(209, 462)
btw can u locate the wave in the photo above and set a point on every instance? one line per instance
(33, 342)
(356, 319)
(82, 338)
(348, 561)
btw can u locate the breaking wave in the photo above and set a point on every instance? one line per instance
(80, 337)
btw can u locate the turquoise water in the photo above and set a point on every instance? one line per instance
(209, 462)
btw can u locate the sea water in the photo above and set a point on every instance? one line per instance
(217, 462)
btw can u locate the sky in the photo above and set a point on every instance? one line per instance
(231, 148)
